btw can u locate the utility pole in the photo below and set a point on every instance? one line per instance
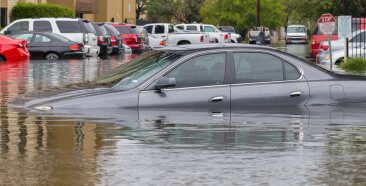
(258, 13)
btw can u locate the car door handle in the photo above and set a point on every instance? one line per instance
(217, 99)
(295, 94)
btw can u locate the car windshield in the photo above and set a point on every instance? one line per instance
(296, 30)
(134, 73)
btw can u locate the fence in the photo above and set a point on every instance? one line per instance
(357, 42)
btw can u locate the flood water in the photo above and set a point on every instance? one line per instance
(254, 146)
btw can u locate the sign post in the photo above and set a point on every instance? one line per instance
(327, 25)
(344, 31)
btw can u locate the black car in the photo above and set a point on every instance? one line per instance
(50, 46)
(116, 39)
(104, 40)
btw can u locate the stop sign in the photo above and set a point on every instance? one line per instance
(327, 24)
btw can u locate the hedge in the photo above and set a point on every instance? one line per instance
(31, 10)
(355, 65)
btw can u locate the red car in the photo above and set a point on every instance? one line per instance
(13, 49)
(130, 36)
(317, 37)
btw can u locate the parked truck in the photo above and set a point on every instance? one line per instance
(215, 35)
(254, 32)
(164, 34)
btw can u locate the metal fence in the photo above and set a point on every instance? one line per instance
(357, 42)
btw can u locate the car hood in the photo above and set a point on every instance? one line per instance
(92, 98)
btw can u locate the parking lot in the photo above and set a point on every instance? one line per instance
(299, 146)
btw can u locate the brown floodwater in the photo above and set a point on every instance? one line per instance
(254, 146)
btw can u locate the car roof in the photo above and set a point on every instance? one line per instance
(296, 26)
(193, 47)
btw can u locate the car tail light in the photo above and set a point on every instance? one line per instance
(75, 47)
(313, 41)
(114, 40)
(162, 42)
(226, 37)
(101, 40)
(325, 47)
(201, 39)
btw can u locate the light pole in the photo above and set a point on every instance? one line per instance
(258, 13)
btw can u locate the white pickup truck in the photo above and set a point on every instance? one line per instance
(164, 34)
(216, 35)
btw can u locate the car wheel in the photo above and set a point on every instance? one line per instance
(52, 56)
(216, 41)
(2, 59)
(184, 43)
(232, 41)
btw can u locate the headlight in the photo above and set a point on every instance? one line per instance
(43, 107)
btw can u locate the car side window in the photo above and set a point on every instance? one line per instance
(291, 73)
(171, 29)
(69, 26)
(27, 37)
(180, 27)
(149, 29)
(359, 37)
(204, 70)
(193, 28)
(159, 29)
(41, 39)
(257, 67)
(209, 29)
(42, 26)
(19, 26)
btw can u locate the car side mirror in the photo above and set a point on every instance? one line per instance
(7, 32)
(164, 82)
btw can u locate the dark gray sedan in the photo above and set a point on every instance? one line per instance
(216, 77)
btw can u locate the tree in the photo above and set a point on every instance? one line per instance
(141, 6)
(242, 13)
(186, 11)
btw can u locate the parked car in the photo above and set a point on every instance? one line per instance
(50, 46)
(215, 35)
(235, 37)
(213, 76)
(116, 39)
(13, 49)
(254, 32)
(77, 30)
(130, 36)
(357, 38)
(142, 31)
(104, 40)
(318, 37)
(338, 56)
(172, 37)
(296, 34)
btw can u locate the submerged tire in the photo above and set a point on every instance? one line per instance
(52, 56)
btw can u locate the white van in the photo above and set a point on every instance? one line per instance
(78, 30)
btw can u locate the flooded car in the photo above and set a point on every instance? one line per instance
(218, 77)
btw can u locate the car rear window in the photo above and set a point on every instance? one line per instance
(228, 29)
(61, 38)
(42, 26)
(69, 26)
(124, 30)
(88, 27)
(112, 31)
(99, 29)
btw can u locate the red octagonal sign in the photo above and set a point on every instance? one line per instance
(327, 24)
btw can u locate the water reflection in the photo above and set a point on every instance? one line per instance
(251, 146)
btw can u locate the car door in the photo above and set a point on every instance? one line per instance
(263, 79)
(201, 83)
(41, 44)
(159, 31)
(21, 26)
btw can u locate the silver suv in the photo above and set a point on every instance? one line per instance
(78, 30)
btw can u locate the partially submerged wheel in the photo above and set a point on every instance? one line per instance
(52, 56)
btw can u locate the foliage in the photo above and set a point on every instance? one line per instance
(186, 11)
(356, 65)
(242, 13)
(141, 7)
(31, 10)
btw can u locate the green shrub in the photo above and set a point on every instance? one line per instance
(356, 65)
(31, 10)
